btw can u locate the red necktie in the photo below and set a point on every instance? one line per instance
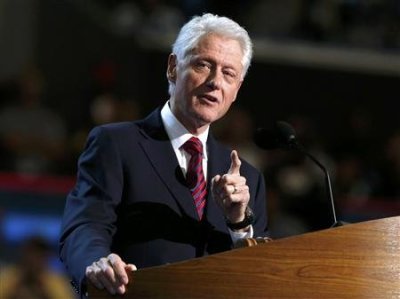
(195, 176)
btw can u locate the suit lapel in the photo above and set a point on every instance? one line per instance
(218, 163)
(161, 155)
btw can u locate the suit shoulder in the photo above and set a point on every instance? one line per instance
(116, 129)
(119, 126)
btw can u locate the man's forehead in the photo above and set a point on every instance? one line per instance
(223, 47)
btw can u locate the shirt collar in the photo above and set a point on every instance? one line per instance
(177, 133)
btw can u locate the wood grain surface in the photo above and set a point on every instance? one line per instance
(354, 261)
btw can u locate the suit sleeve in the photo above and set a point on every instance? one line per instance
(89, 221)
(260, 225)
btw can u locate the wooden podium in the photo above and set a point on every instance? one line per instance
(354, 261)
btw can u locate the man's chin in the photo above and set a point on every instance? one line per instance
(207, 118)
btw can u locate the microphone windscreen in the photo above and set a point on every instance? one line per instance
(285, 132)
(266, 139)
(281, 135)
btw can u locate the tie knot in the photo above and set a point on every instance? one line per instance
(193, 146)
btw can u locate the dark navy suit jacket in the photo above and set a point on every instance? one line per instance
(131, 199)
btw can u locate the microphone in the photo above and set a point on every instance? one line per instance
(283, 136)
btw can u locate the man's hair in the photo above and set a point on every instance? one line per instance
(199, 26)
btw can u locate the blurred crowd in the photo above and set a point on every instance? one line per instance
(32, 277)
(37, 139)
(351, 23)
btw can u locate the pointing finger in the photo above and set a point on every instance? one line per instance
(235, 163)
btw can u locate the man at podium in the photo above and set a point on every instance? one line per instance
(162, 189)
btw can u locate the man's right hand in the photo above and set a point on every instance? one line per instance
(111, 273)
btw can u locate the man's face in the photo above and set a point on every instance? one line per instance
(207, 83)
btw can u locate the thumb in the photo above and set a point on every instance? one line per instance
(215, 181)
(235, 163)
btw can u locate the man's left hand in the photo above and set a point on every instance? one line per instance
(231, 192)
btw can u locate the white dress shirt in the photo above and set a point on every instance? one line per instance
(178, 135)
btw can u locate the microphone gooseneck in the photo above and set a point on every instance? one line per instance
(283, 136)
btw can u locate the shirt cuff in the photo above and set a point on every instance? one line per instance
(236, 236)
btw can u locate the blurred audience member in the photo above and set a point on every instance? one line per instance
(354, 178)
(349, 177)
(160, 24)
(31, 277)
(272, 18)
(282, 223)
(389, 186)
(125, 18)
(105, 108)
(33, 134)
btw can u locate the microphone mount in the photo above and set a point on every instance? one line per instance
(283, 136)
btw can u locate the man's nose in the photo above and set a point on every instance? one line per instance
(214, 80)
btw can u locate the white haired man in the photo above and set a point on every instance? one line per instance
(162, 189)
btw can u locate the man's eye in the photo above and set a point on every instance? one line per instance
(230, 74)
(201, 64)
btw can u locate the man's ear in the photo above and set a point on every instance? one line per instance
(171, 69)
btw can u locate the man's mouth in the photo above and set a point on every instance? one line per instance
(208, 98)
